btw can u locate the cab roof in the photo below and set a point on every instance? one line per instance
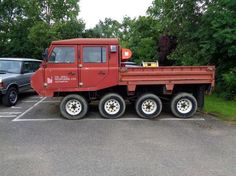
(87, 41)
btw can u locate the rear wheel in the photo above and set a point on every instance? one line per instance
(148, 106)
(112, 106)
(11, 97)
(73, 107)
(183, 105)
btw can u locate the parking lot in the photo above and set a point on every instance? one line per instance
(36, 140)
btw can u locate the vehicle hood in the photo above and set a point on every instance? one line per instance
(7, 76)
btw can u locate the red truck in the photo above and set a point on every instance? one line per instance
(85, 70)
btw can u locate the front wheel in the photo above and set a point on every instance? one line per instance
(73, 107)
(112, 106)
(148, 106)
(183, 105)
(11, 97)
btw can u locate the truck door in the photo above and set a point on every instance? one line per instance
(94, 65)
(62, 70)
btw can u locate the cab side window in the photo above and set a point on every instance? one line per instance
(94, 55)
(30, 66)
(62, 55)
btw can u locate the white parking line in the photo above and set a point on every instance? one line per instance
(140, 119)
(36, 97)
(28, 110)
(34, 120)
(1, 113)
(122, 119)
(29, 101)
(51, 101)
(176, 119)
(7, 116)
(15, 107)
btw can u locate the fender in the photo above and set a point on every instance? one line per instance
(4, 91)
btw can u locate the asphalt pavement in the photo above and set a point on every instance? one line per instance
(37, 141)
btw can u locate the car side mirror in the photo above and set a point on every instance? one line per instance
(45, 55)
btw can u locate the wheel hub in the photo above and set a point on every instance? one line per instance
(112, 106)
(73, 107)
(184, 106)
(13, 97)
(149, 106)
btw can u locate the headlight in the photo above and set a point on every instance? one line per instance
(1, 84)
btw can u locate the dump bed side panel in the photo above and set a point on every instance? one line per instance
(168, 75)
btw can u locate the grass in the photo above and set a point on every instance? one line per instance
(226, 110)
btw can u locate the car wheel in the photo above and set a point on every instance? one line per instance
(148, 106)
(73, 107)
(11, 97)
(112, 106)
(183, 105)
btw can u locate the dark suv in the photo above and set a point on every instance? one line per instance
(15, 75)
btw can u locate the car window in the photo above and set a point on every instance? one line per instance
(35, 65)
(10, 66)
(30, 66)
(27, 67)
(62, 55)
(94, 54)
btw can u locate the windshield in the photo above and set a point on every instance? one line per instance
(10, 66)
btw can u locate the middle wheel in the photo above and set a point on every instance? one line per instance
(112, 106)
(148, 106)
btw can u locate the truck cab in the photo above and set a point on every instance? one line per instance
(80, 64)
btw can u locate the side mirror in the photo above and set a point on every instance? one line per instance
(45, 55)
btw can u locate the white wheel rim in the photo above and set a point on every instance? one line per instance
(112, 106)
(73, 107)
(184, 106)
(149, 106)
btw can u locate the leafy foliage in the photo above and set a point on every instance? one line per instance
(206, 32)
(139, 35)
(142, 39)
(27, 27)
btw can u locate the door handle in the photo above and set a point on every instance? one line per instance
(101, 73)
(72, 73)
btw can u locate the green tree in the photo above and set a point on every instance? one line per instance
(28, 26)
(206, 32)
(52, 11)
(12, 28)
(141, 36)
(108, 28)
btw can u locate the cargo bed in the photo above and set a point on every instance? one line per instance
(168, 75)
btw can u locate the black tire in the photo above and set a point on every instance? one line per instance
(11, 97)
(114, 103)
(183, 105)
(143, 107)
(73, 107)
